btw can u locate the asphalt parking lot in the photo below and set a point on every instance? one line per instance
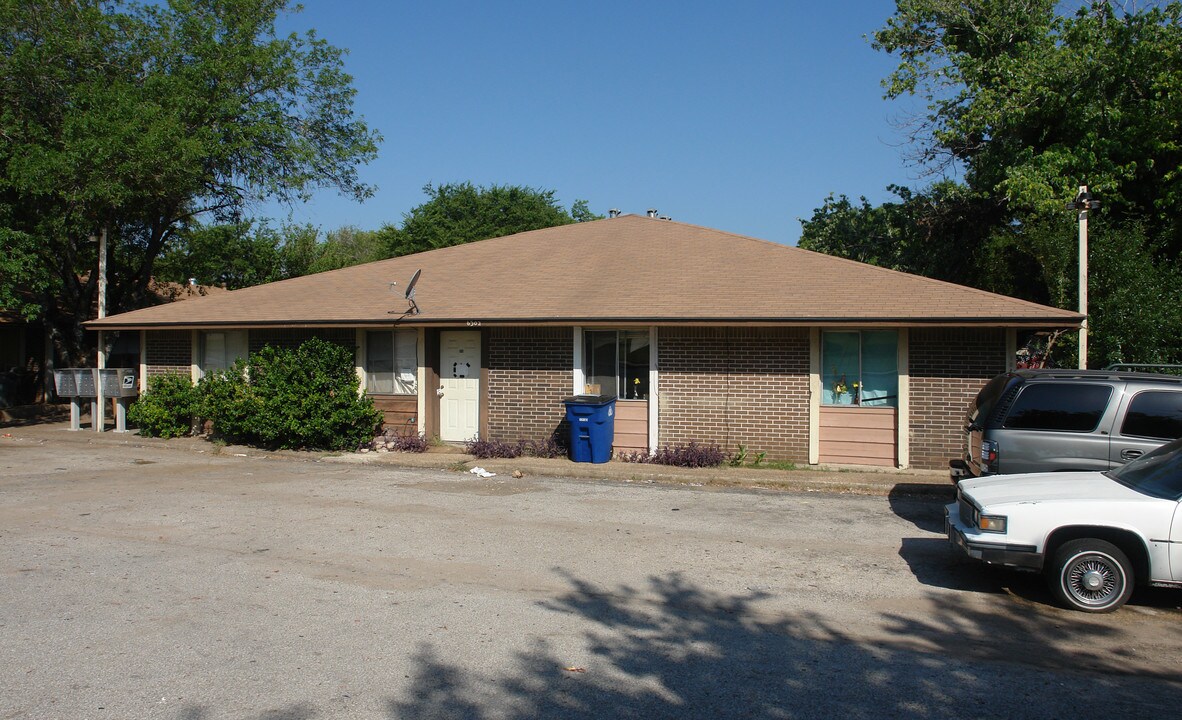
(185, 580)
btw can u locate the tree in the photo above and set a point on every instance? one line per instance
(238, 254)
(241, 254)
(1134, 299)
(905, 235)
(1034, 103)
(233, 255)
(1029, 102)
(22, 277)
(349, 246)
(298, 250)
(462, 212)
(139, 118)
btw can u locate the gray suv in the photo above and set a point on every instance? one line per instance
(1058, 420)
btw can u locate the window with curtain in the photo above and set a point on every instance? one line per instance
(616, 362)
(860, 368)
(391, 362)
(221, 348)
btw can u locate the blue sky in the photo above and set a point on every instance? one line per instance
(741, 116)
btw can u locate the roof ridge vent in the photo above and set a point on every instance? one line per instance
(613, 213)
(652, 212)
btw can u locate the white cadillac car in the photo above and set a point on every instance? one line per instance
(1095, 535)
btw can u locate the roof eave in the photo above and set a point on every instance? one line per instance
(1069, 322)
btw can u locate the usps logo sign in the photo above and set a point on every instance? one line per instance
(129, 382)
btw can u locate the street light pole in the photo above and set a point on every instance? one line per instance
(1082, 203)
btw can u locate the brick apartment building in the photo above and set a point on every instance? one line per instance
(702, 335)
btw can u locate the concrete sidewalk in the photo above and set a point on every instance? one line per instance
(854, 480)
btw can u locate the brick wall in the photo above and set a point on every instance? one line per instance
(169, 351)
(529, 375)
(735, 386)
(291, 338)
(948, 367)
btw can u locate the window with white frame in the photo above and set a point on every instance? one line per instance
(860, 368)
(391, 362)
(616, 362)
(219, 349)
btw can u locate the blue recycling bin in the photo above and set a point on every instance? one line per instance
(592, 421)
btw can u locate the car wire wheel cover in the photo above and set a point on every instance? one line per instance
(1092, 579)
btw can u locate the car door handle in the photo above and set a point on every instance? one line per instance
(1130, 454)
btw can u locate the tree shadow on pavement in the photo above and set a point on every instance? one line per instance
(299, 711)
(29, 415)
(676, 649)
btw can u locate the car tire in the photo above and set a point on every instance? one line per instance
(1091, 575)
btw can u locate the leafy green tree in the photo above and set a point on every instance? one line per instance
(246, 253)
(349, 246)
(462, 212)
(1027, 100)
(1133, 299)
(299, 249)
(22, 276)
(1033, 103)
(233, 255)
(137, 118)
(580, 210)
(905, 235)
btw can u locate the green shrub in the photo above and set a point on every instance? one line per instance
(229, 402)
(166, 410)
(302, 398)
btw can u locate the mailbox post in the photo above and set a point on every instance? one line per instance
(118, 383)
(80, 383)
(66, 382)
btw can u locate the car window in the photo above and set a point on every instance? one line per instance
(983, 404)
(1158, 473)
(1073, 407)
(1154, 414)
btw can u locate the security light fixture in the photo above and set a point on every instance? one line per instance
(1083, 201)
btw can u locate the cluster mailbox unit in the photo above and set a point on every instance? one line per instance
(97, 384)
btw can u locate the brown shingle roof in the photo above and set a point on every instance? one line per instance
(621, 270)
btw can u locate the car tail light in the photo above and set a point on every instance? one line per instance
(989, 455)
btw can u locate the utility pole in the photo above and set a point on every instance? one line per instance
(1082, 203)
(99, 413)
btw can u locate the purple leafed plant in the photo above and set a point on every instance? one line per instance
(548, 448)
(692, 455)
(484, 449)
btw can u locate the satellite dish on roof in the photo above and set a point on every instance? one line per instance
(410, 291)
(410, 287)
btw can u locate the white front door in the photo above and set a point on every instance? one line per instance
(459, 385)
